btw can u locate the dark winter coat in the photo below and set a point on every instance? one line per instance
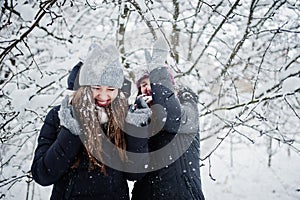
(55, 155)
(181, 179)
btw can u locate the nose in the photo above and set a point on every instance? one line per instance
(148, 89)
(102, 95)
(102, 99)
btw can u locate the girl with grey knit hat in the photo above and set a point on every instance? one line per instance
(77, 158)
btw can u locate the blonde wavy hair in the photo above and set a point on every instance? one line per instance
(86, 112)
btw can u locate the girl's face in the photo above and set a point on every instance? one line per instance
(104, 95)
(145, 87)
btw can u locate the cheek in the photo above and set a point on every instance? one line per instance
(113, 95)
(94, 93)
(146, 89)
(143, 89)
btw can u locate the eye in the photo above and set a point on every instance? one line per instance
(95, 87)
(111, 89)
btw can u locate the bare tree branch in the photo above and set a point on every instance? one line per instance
(41, 13)
(251, 102)
(148, 23)
(241, 42)
(291, 107)
(211, 38)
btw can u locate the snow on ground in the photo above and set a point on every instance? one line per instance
(250, 177)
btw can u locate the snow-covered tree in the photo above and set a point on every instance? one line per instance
(241, 57)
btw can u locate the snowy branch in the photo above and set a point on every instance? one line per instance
(40, 15)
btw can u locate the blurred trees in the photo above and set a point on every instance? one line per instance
(241, 57)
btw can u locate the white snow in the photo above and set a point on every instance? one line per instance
(290, 85)
(250, 177)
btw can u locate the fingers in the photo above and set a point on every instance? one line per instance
(147, 99)
(65, 102)
(142, 100)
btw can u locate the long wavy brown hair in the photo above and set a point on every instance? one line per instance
(87, 114)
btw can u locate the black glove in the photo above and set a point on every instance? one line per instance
(139, 113)
(140, 102)
(185, 94)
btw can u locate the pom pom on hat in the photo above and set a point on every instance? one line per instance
(102, 67)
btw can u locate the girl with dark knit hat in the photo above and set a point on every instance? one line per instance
(71, 153)
(174, 170)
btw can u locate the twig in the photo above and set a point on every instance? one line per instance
(148, 23)
(26, 33)
(291, 107)
(210, 174)
(251, 102)
(210, 39)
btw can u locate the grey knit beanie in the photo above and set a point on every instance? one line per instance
(102, 67)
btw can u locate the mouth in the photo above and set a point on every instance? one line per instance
(102, 103)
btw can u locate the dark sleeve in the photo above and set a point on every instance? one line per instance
(55, 152)
(163, 94)
(136, 142)
(189, 110)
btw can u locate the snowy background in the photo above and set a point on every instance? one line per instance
(241, 58)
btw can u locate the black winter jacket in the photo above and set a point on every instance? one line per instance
(181, 179)
(57, 151)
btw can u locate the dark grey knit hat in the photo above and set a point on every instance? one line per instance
(102, 67)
